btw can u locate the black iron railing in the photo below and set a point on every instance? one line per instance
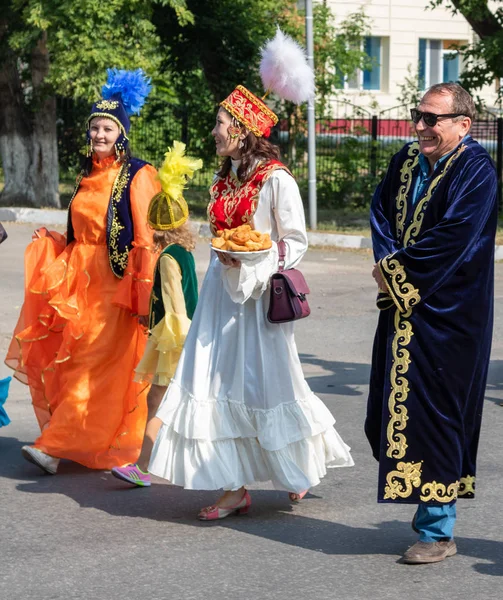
(353, 146)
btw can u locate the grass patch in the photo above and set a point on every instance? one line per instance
(340, 221)
(65, 192)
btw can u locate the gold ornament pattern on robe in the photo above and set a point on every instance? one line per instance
(406, 178)
(397, 444)
(401, 482)
(115, 257)
(467, 486)
(385, 300)
(403, 294)
(409, 473)
(415, 226)
(439, 492)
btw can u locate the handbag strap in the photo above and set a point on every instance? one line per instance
(282, 254)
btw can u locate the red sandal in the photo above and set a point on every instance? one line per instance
(294, 497)
(212, 513)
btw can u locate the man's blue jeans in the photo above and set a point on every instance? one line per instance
(436, 523)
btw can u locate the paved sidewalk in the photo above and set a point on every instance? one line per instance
(59, 217)
(319, 239)
(84, 535)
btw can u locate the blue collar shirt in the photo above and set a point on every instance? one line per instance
(424, 178)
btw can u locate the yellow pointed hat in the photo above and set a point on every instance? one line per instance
(168, 209)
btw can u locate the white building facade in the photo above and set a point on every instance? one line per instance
(406, 35)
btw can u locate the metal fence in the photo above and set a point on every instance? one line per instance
(353, 148)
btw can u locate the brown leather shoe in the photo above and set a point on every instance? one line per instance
(429, 552)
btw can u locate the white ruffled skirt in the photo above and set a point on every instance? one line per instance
(238, 409)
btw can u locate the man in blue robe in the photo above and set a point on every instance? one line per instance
(433, 220)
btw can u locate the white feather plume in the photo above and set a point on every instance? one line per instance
(284, 69)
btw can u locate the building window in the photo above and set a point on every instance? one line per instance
(371, 79)
(438, 61)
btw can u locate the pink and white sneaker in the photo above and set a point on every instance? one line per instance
(132, 474)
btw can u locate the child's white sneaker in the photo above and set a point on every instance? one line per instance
(47, 463)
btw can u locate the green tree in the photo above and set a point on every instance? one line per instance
(410, 90)
(338, 49)
(208, 58)
(222, 49)
(482, 58)
(62, 47)
(338, 54)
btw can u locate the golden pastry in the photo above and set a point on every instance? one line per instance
(241, 239)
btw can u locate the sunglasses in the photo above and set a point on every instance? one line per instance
(430, 118)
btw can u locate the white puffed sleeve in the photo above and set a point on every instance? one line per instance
(280, 197)
(281, 214)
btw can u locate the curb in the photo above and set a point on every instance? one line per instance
(54, 216)
(46, 216)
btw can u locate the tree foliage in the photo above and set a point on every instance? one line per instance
(483, 57)
(84, 38)
(196, 52)
(207, 59)
(411, 90)
(338, 49)
(62, 47)
(221, 49)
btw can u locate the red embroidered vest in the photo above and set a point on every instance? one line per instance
(234, 202)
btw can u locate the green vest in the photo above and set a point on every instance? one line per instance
(187, 265)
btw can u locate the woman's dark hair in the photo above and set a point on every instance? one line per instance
(254, 148)
(86, 163)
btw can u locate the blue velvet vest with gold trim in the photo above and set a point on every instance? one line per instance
(120, 230)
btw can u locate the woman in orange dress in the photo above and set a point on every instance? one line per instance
(80, 333)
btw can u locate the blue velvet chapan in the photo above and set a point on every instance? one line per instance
(433, 340)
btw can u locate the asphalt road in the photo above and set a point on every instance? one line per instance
(84, 535)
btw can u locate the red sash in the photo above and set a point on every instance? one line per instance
(234, 202)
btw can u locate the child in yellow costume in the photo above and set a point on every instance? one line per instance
(173, 299)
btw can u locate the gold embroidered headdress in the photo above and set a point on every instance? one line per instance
(250, 111)
(168, 209)
(284, 71)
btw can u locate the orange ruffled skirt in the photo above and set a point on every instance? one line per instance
(77, 351)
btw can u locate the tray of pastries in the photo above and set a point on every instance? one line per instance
(241, 242)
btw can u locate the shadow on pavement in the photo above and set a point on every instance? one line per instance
(272, 517)
(340, 378)
(12, 464)
(387, 537)
(495, 381)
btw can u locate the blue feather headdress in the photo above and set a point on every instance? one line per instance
(123, 95)
(131, 87)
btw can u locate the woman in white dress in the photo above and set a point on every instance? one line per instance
(238, 409)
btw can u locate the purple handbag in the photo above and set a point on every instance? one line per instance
(288, 293)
